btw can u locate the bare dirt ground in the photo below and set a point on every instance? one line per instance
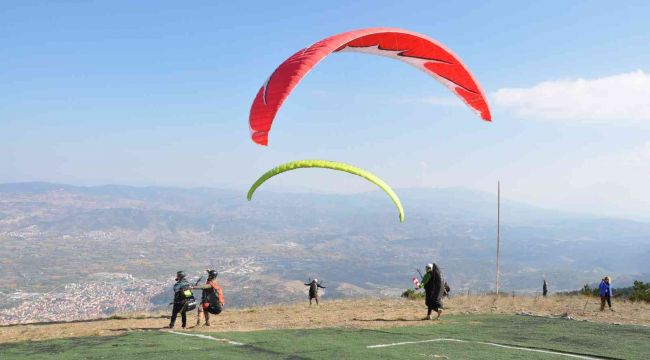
(365, 313)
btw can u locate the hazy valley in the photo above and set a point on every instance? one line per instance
(83, 252)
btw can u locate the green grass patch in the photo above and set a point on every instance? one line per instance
(591, 339)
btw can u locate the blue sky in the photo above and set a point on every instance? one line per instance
(158, 93)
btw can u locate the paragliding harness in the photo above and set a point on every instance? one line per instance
(190, 303)
(210, 301)
(186, 296)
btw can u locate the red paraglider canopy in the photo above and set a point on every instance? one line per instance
(412, 48)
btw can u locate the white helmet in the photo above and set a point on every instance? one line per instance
(315, 280)
(429, 266)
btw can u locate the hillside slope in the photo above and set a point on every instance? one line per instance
(365, 313)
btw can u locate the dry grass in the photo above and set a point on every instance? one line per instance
(366, 313)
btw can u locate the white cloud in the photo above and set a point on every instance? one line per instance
(617, 98)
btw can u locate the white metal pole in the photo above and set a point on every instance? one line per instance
(498, 230)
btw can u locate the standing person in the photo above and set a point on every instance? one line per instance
(545, 288)
(211, 299)
(605, 291)
(313, 290)
(182, 294)
(433, 289)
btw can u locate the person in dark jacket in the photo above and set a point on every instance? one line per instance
(605, 291)
(313, 290)
(211, 298)
(182, 293)
(544, 288)
(433, 289)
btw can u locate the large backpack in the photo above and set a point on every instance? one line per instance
(187, 297)
(211, 302)
(216, 309)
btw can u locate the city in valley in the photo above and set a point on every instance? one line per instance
(73, 253)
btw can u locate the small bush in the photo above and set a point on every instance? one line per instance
(640, 291)
(589, 291)
(413, 295)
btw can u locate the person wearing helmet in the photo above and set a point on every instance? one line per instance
(182, 293)
(313, 290)
(433, 289)
(211, 299)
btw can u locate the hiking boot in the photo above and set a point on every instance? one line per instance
(427, 318)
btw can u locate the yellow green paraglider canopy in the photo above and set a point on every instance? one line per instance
(325, 164)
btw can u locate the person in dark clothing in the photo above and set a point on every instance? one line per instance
(605, 292)
(211, 298)
(545, 288)
(447, 290)
(433, 289)
(313, 290)
(182, 294)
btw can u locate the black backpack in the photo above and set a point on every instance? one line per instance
(214, 305)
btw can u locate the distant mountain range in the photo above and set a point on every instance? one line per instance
(54, 234)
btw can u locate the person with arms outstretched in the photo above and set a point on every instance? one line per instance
(313, 290)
